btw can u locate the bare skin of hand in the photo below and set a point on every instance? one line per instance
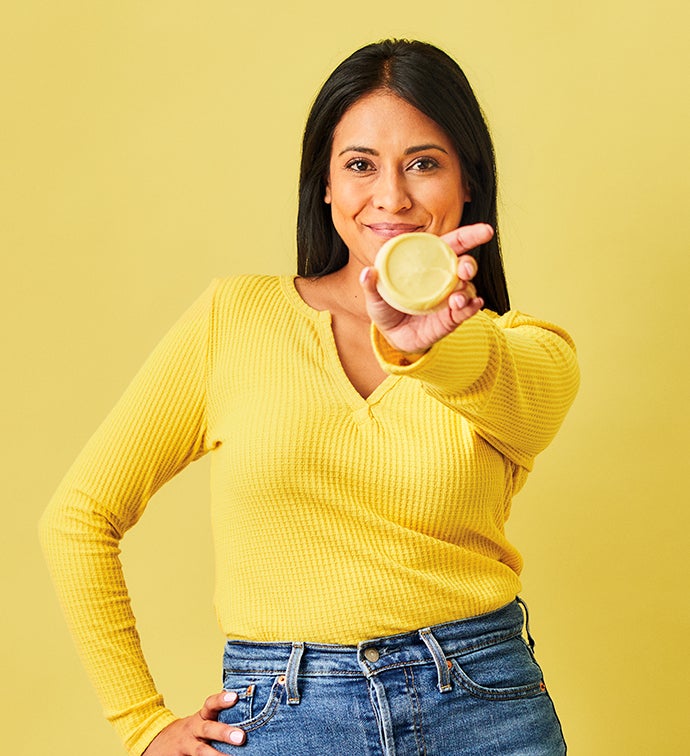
(190, 736)
(415, 334)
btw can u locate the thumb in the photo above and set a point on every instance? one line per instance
(381, 313)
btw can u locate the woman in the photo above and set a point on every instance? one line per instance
(364, 460)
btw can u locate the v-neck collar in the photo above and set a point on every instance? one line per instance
(323, 321)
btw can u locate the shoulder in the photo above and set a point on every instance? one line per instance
(243, 302)
(245, 285)
(519, 322)
(237, 294)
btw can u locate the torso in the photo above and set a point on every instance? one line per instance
(370, 500)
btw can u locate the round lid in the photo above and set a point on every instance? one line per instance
(416, 272)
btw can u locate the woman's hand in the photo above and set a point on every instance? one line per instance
(189, 736)
(414, 334)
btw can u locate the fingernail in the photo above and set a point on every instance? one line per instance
(468, 268)
(459, 301)
(237, 737)
(364, 275)
(230, 697)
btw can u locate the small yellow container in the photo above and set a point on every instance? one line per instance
(416, 272)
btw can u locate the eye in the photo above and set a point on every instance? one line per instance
(422, 164)
(358, 165)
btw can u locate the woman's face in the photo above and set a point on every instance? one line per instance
(392, 170)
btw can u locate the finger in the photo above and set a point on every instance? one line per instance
(367, 279)
(217, 702)
(381, 313)
(464, 289)
(466, 238)
(211, 730)
(462, 309)
(467, 268)
(462, 297)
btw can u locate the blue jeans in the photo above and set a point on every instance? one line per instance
(470, 687)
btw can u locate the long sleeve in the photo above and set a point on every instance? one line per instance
(512, 377)
(154, 431)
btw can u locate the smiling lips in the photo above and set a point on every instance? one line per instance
(389, 230)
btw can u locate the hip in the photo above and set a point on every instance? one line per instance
(467, 687)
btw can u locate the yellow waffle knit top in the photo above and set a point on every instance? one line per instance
(335, 518)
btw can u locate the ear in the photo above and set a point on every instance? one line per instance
(327, 194)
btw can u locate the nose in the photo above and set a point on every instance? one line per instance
(391, 192)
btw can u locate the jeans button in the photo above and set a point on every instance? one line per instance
(371, 654)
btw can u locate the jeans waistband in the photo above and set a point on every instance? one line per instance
(438, 643)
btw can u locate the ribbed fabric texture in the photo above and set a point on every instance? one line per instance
(335, 518)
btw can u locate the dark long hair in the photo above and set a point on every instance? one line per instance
(432, 82)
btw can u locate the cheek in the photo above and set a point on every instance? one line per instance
(345, 200)
(448, 208)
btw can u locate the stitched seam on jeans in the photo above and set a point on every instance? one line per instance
(266, 714)
(306, 673)
(501, 694)
(486, 644)
(419, 662)
(417, 721)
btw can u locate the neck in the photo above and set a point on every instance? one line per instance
(346, 292)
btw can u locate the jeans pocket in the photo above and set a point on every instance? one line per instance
(244, 707)
(258, 699)
(501, 671)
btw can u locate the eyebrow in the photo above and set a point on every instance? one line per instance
(408, 151)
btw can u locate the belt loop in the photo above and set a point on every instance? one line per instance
(442, 664)
(291, 673)
(530, 639)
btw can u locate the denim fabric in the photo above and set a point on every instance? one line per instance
(470, 687)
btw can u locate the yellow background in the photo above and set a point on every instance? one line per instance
(148, 146)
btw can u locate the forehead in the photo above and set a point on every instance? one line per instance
(387, 119)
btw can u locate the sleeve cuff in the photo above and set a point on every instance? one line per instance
(391, 359)
(451, 365)
(147, 732)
